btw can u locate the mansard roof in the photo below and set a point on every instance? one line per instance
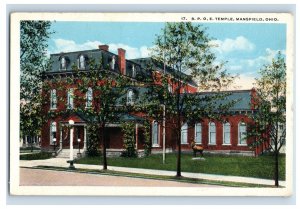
(149, 62)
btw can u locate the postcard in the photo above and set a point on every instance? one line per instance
(151, 104)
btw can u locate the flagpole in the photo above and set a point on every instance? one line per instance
(164, 106)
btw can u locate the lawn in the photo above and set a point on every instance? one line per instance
(259, 167)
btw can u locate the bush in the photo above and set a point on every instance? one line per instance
(36, 156)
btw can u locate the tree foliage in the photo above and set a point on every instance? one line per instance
(33, 62)
(269, 120)
(184, 51)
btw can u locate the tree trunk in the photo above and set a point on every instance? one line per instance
(178, 173)
(104, 147)
(276, 171)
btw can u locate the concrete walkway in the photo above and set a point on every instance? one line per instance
(62, 162)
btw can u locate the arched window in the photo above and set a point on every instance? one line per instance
(170, 88)
(89, 97)
(52, 132)
(198, 133)
(53, 99)
(63, 63)
(242, 133)
(155, 133)
(212, 133)
(184, 133)
(81, 62)
(226, 133)
(130, 97)
(70, 104)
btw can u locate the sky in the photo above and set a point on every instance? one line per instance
(245, 47)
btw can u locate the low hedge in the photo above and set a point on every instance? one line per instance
(36, 156)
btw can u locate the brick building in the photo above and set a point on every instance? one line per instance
(215, 136)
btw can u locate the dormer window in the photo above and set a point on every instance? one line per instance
(133, 71)
(63, 63)
(112, 63)
(130, 97)
(81, 62)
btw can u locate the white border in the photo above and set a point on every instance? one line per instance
(138, 191)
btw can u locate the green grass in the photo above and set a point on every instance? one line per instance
(258, 167)
(36, 156)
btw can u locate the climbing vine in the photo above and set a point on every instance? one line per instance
(92, 141)
(128, 130)
(147, 143)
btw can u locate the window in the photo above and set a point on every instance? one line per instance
(184, 129)
(226, 133)
(133, 71)
(89, 97)
(170, 88)
(242, 133)
(53, 99)
(52, 132)
(212, 133)
(81, 62)
(155, 133)
(70, 96)
(112, 63)
(198, 133)
(130, 97)
(63, 63)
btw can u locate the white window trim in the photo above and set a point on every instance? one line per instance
(133, 72)
(51, 99)
(51, 136)
(61, 68)
(239, 139)
(196, 133)
(158, 134)
(226, 144)
(209, 141)
(131, 102)
(187, 137)
(170, 88)
(86, 97)
(80, 61)
(70, 97)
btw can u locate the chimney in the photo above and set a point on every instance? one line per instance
(122, 60)
(103, 47)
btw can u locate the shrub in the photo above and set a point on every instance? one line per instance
(36, 156)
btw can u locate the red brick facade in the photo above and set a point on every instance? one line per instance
(114, 133)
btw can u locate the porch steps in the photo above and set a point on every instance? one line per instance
(65, 153)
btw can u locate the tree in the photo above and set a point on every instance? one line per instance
(33, 62)
(184, 51)
(268, 128)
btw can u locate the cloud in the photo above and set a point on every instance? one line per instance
(243, 82)
(240, 43)
(259, 61)
(63, 45)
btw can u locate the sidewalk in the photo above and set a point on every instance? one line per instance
(62, 162)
